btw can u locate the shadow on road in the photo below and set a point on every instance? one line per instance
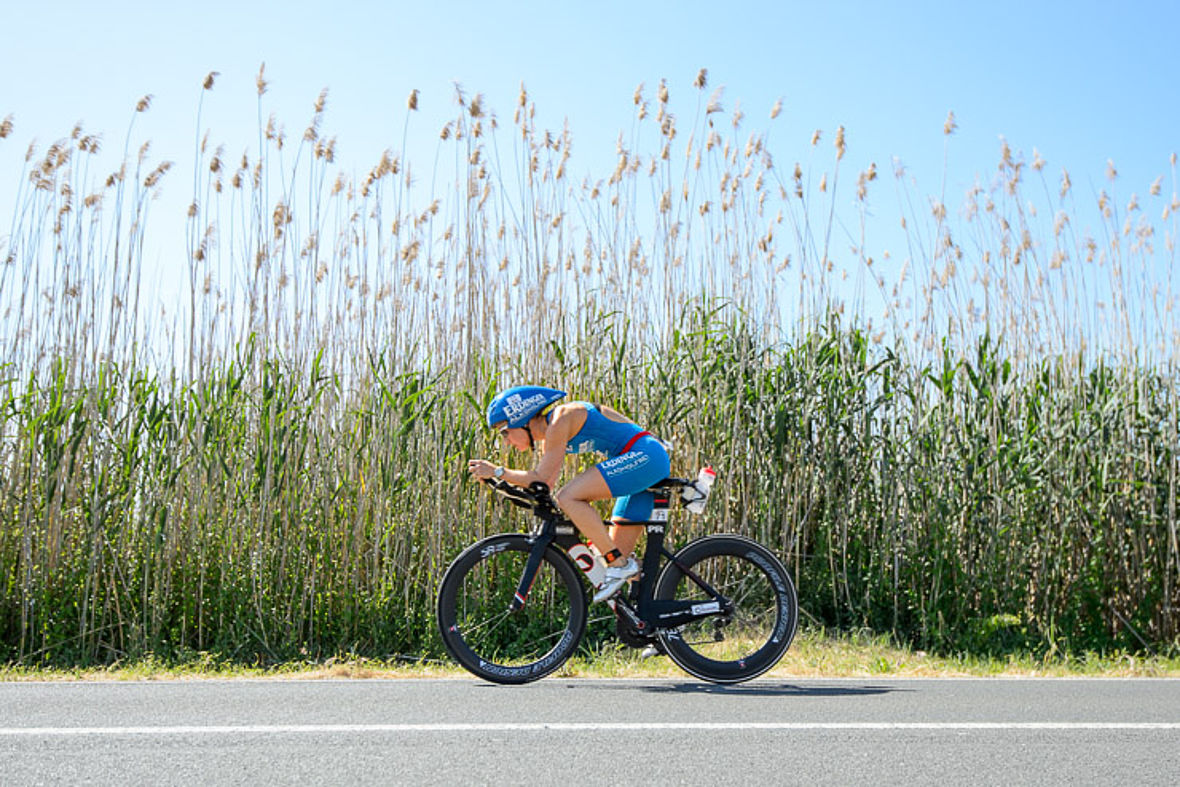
(758, 689)
(772, 690)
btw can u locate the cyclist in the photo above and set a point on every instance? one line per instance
(529, 414)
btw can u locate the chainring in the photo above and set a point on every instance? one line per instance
(629, 634)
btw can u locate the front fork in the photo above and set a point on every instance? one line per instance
(536, 555)
(562, 533)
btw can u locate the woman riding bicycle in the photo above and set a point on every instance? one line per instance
(528, 414)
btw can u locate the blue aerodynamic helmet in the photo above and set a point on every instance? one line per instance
(519, 404)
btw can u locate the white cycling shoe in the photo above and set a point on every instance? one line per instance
(615, 578)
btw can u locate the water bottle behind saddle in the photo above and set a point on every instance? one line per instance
(695, 494)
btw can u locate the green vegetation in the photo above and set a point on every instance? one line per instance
(275, 474)
(814, 654)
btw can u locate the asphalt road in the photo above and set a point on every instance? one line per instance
(575, 732)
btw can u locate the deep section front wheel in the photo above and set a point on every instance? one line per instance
(486, 636)
(757, 622)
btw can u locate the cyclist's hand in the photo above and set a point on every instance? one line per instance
(481, 469)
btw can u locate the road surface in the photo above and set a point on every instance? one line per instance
(587, 732)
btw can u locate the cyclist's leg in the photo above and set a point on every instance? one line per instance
(574, 499)
(620, 476)
(629, 477)
(634, 508)
(625, 536)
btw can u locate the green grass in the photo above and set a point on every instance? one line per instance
(813, 654)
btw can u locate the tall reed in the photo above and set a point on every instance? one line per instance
(974, 455)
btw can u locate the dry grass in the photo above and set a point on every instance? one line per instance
(813, 654)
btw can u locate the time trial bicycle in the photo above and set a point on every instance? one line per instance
(512, 608)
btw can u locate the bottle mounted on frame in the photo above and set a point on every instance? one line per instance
(696, 493)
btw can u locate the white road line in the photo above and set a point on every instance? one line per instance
(353, 729)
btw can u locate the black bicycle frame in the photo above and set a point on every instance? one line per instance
(646, 613)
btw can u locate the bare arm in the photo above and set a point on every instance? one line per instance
(566, 422)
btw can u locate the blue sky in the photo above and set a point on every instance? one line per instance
(1082, 82)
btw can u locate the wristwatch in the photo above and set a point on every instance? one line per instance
(498, 472)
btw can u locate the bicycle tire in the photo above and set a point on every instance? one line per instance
(489, 640)
(745, 644)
